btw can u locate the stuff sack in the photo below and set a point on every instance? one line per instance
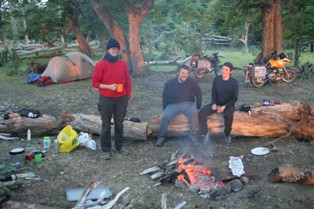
(32, 77)
(43, 81)
(245, 108)
(30, 113)
(86, 141)
(67, 139)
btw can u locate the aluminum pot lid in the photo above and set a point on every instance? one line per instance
(18, 150)
(260, 151)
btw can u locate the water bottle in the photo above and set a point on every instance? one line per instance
(56, 146)
(29, 135)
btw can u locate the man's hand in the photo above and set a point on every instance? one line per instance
(221, 109)
(214, 107)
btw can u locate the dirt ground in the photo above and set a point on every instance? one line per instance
(76, 169)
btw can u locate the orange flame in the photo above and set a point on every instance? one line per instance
(197, 174)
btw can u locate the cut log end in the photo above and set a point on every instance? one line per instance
(291, 175)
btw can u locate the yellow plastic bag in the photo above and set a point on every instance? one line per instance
(67, 139)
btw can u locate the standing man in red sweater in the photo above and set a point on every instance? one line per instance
(111, 76)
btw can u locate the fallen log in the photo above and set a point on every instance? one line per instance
(17, 124)
(291, 175)
(295, 118)
(92, 123)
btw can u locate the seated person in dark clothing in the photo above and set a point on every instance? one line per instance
(179, 96)
(224, 96)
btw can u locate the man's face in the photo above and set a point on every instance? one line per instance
(183, 75)
(225, 71)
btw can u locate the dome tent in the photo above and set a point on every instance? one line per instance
(70, 67)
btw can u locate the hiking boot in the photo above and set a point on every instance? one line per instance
(194, 140)
(160, 141)
(228, 140)
(123, 151)
(207, 138)
(106, 156)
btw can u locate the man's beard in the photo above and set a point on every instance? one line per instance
(181, 79)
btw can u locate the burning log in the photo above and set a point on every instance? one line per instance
(295, 118)
(291, 175)
(17, 124)
(92, 123)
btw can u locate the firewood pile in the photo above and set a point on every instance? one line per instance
(187, 173)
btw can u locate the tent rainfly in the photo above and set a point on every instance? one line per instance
(70, 67)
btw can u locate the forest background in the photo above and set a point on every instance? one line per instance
(155, 30)
(152, 31)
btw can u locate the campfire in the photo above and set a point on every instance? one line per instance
(187, 173)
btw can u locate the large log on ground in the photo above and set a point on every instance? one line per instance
(17, 124)
(295, 118)
(92, 123)
(291, 175)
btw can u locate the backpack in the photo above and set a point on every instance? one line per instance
(30, 113)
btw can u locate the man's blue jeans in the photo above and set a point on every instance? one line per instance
(172, 110)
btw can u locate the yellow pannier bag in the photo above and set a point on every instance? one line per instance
(67, 139)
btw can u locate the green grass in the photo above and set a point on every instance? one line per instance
(162, 68)
(237, 58)
(306, 57)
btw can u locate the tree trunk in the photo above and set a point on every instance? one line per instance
(17, 124)
(26, 41)
(3, 39)
(296, 118)
(136, 14)
(104, 14)
(14, 28)
(92, 123)
(296, 57)
(74, 24)
(244, 38)
(272, 28)
(277, 26)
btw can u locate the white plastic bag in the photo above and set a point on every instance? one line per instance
(85, 141)
(236, 166)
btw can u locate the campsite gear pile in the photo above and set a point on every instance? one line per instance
(69, 140)
(72, 66)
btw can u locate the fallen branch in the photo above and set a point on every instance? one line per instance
(264, 121)
(86, 192)
(92, 123)
(113, 202)
(17, 124)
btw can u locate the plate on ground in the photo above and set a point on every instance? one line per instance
(260, 151)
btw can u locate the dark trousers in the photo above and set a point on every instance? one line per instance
(107, 107)
(207, 110)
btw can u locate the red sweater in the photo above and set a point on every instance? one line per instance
(109, 73)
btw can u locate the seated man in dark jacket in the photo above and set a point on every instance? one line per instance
(179, 96)
(224, 96)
